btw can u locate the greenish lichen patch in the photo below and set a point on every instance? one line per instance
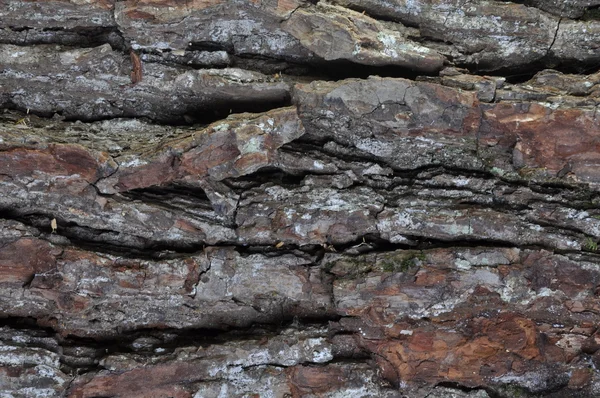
(345, 267)
(350, 267)
(401, 261)
(590, 245)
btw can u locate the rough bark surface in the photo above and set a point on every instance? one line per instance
(289, 198)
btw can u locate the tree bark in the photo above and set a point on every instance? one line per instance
(297, 198)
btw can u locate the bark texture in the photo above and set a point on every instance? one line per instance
(289, 198)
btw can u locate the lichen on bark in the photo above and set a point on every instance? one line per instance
(299, 199)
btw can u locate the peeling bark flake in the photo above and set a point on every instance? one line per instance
(136, 73)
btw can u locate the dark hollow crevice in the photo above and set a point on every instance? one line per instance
(432, 243)
(164, 194)
(8, 105)
(28, 324)
(105, 241)
(523, 73)
(166, 339)
(192, 116)
(458, 386)
(270, 65)
(209, 46)
(316, 70)
(203, 115)
(144, 341)
(324, 70)
(76, 38)
(312, 253)
(591, 14)
(34, 334)
(265, 175)
(388, 15)
(339, 70)
(170, 338)
(380, 245)
(131, 247)
(514, 76)
(189, 115)
(41, 221)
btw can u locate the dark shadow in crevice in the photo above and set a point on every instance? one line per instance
(457, 386)
(170, 338)
(197, 117)
(104, 240)
(326, 70)
(338, 70)
(151, 342)
(417, 242)
(81, 37)
(9, 105)
(591, 14)
(138, 248)
(272, 66)
(309, 253)
(387, 14)
(523, 73)
(163, 194)
(210, 46)
(188, 115)
(127, 246)
(27, 324)
(265, 175)
(221, 110)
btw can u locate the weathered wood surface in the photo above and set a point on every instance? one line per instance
(293, 198)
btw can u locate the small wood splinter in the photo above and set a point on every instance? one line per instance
(136, 73)
(24, 120)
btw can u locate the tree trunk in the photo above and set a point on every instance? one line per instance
(355, 198)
